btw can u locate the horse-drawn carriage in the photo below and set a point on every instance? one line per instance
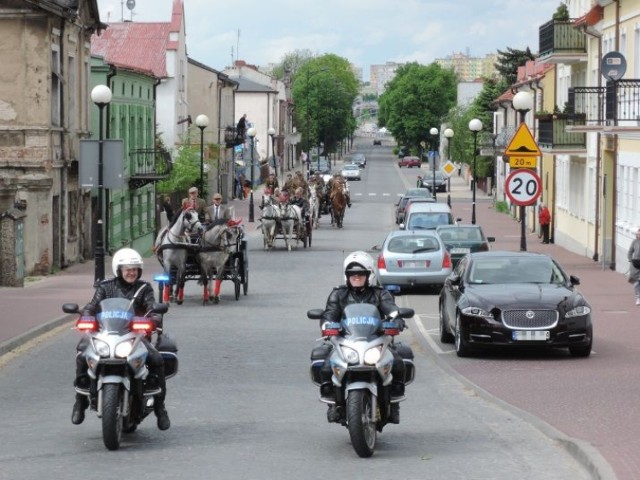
(284, 221)
(208, 253)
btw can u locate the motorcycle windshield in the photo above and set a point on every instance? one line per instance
(361, 320)
(115, 315)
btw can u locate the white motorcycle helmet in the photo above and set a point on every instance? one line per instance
(360, 261)
(126, 257)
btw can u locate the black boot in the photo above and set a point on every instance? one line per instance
(80, 405)
(161, 413)
(394, 414)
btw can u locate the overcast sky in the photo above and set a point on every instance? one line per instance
(365, 32)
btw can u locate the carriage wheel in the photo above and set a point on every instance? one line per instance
(235, 276)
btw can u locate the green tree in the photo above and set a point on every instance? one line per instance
(417, 99)
(291, 62)
(324, 90)
(508, 62)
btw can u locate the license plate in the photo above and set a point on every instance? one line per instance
(460, 250)
(416, 264)
(531, 335)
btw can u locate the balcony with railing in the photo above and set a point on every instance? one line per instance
(617, 105)
(553, 136)
(560, 41)
(147, 165)
(232, 137)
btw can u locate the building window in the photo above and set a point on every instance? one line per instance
(56, 117)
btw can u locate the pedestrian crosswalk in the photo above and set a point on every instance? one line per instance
(374, 194)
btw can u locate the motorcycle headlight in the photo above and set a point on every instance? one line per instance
(372, 355)
(578, 311)
(477, 312)
(102, 348)
(350, 355)
(123, 349)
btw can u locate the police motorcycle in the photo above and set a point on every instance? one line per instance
(119, 386)
(361, 363)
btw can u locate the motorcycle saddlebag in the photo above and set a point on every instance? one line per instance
(318, 356)
(168, 348)
(407, 357)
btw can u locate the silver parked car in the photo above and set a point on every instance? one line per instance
(413, 258)
(351, 171)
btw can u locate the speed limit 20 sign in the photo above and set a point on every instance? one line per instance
(523, 187)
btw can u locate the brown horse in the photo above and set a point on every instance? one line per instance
(338, 197)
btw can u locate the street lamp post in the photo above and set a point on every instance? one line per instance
(475, 126)
(252, 135)
(434, 133)
(523, 102)
(100, 95)
(272, 134)
(448, 133)
(202, 121)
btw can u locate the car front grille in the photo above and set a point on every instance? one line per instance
(529, 318)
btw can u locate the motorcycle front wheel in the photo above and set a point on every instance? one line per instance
(111, 416)
(362, 427)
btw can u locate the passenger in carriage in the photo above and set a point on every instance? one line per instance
(218, 213)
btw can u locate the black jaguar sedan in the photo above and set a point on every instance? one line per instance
(513, 299)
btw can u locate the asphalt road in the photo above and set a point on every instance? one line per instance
(242, 404)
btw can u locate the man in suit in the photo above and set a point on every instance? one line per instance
(195, 202)
(218, 213)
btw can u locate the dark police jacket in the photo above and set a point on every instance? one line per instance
(342, 296)
(119, 288)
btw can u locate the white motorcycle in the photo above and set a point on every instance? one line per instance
(120, 389)
(359, 352)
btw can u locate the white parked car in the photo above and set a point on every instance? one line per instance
(351, 171)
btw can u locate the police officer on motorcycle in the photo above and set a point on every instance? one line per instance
(361, 287)
(127, 267)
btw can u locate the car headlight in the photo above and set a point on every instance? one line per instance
(123, 349)
(477, 312)
(578, 311)
(350, 355)
(372, 355)
(102, 348)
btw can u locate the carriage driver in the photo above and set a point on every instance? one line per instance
(299, 200)
(127, 267)
(361, 287)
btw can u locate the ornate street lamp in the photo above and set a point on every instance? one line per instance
(475, 126)
(434, 133)
(272, 134)
(523, 102)
(252, 136)
(100, 95)
(202, 121)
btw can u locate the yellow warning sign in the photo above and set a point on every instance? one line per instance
(523, 144)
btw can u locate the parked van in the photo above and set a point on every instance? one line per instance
(427, 216)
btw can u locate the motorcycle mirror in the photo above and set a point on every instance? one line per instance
(70, 308)
(406, 312)
(315, 314)
(160, 307)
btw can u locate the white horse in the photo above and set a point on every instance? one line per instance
(270, 217)
(217, 245)
(171, 247)
(314, 207)
(290, 219)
